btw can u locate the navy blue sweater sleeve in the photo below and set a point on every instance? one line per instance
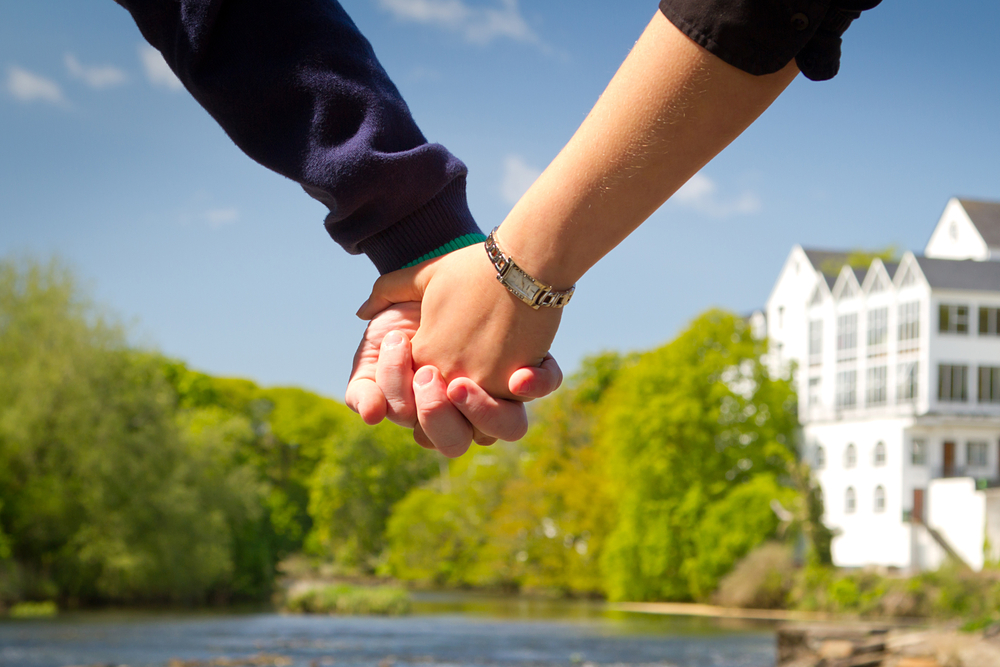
(299, 89)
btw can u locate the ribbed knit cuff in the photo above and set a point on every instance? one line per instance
(441, 225)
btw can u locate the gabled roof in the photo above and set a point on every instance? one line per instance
(827, 262)
(985, 215)
(961, 274)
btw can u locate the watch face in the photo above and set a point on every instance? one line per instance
(521, 284)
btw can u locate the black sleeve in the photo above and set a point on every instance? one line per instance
(762, 36)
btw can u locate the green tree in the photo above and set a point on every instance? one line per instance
(106, 495)
(682, 429)
(362, 472)
(549, 529)
(435, 535)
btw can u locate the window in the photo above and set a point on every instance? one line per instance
(850, 456)
(820, 458)
(815, 385)
(781, 316)
(951, 383)
(847, 337)
(846, 389)
(850, 500)
(906, 382)
(989, 321)
(975, 454)
(918, 452)
(815, 342)
(878, 331)
(878, 457)
(876, 388)
(909, 326)
(989, 384)
(880, 498)
(953, 319)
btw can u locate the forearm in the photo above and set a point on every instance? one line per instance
(298, 88)
(671, 107)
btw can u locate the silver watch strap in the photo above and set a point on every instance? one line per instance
(522, 285)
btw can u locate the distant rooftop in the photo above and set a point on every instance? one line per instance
(985, 215)
(965, 274)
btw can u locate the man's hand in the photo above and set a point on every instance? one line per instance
(443, 416)
(470, 326)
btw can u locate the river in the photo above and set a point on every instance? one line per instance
(445, 630)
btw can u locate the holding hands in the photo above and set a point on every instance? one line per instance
(489, 354)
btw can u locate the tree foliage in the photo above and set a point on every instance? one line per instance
(128, 477)
(687, 425)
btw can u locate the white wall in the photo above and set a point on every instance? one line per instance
(958, 512)
(866, 537)
(955, 237)
(970, 349)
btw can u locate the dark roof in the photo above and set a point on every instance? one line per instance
(985, 215)
(961, 274)
(891, 268)
(822, 259)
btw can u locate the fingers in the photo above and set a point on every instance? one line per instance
(396, 287)
(421, 438)
(364, 397)
(536, 382)
(440, 421)
(394, 376)
(481, 438)
(494, 418)
(363, 394)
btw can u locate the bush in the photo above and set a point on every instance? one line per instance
(762, 580)
(350, 600)
(46, 609)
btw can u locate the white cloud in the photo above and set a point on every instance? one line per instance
(478, 25)
(518, 176)
(95, 76)
(157, 71)
(28, 87)
(701, 194)
(219, 217)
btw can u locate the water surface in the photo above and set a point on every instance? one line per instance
(446, 630)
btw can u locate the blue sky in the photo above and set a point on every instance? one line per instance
(209, 257)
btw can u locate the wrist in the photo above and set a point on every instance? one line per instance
(522, 284)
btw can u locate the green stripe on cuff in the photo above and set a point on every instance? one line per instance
(450, 246)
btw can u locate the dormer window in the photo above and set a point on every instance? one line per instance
(909, 326)
(847, 337)
(878, 331)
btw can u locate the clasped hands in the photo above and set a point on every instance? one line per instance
(450, 353)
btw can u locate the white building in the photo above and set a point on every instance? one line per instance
(898, 375)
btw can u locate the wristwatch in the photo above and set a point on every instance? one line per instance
(534, 293)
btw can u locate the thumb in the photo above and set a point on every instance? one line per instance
(396, 287)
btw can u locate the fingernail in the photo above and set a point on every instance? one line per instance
(459, 394)
(358, 314)
(423, 377)
(393, 339)
(526, 387)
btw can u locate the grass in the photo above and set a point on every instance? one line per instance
(350, 600)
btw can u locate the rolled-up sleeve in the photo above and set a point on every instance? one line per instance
(762, 36)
